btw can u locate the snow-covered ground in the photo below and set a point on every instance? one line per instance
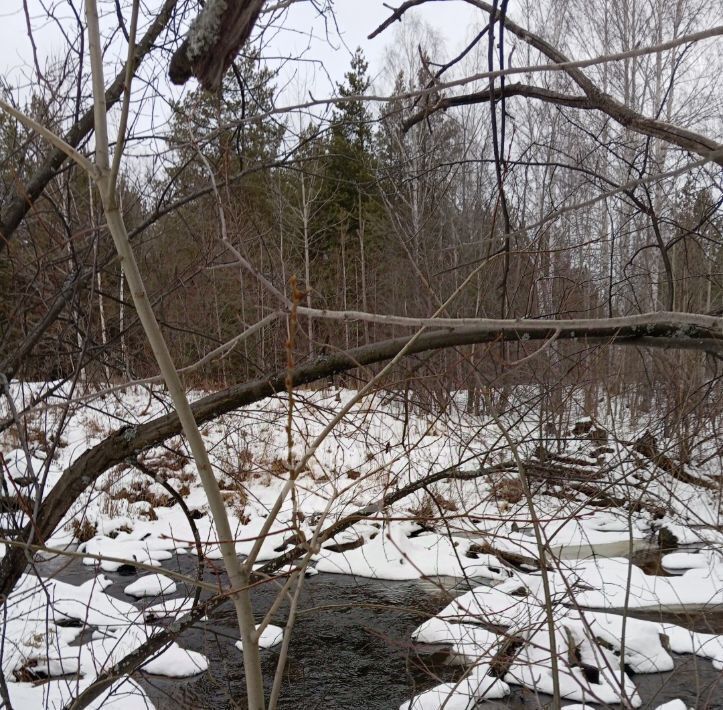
(468, 527)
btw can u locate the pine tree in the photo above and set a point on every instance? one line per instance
(350, 161)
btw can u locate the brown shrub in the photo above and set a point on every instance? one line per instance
(93, 428)
(168, 460)
(509, 490)
(425, 511)
(140, 491)
(83, 530)
(38, 437)
(446, 504)
(278, 467)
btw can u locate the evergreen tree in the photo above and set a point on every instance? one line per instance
(350, 161)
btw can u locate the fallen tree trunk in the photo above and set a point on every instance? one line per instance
(656, 329)
(647, 446)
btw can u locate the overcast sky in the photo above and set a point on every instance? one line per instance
(303, 34)
(355, 18)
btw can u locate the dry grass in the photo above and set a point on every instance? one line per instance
(507, 490)
(37, 436)
(245, 458)
(141, 491)
(93, 428)
(235, 499)
(169, 460)
(426, 511)
(83, 530)
(431, 508)
(278, 467)
(10, 439)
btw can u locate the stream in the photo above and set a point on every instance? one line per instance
(351, 648)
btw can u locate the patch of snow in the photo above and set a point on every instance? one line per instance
(151, 585)
(270, 636)
(128, 547)
(703, 559)
(468, 643)
(465, 695)
(395, 556)
(616, 583)
(168, 609)
(35, 642)
(124, 694)
(532, 668)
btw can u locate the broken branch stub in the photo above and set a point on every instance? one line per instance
(213, 41)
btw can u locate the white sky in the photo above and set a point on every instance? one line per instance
(355, 18)
(324, 59)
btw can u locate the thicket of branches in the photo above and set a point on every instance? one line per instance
(486, 221)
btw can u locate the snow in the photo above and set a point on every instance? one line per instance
(494, 607)
(532, 668)
(616, 583)
(643, 648)
(465, 695)
(124, 694)
(705, 558)
(129, 548)
(151, 585)
(168, 609)
(34, 640)
(587, 633)
(468, 643)
(705, 645)
(270, 636)
(85, 603)
(18, 465)
(176, 662)
(395, 556)
(384, 446)
(581, 537)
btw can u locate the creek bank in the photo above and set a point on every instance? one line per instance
(353, 638)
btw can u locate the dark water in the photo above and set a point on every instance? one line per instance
(351, 649)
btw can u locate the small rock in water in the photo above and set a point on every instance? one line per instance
(667, 540)
(127, 570)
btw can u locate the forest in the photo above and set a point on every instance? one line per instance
(361, 376)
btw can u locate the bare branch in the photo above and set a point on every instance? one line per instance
(15, 210)
(51, 137)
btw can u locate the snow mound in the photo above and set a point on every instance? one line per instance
(39, 642)
(270, 636)
(395, 556)
(468, 642)
(127, 548)
(151, 585)
(168, 609)
(465, 695)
